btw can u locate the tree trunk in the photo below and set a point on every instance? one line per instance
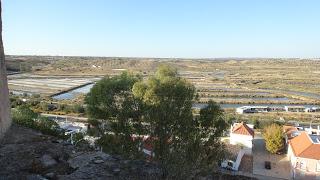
(5, 120)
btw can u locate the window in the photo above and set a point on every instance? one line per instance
(303, 164)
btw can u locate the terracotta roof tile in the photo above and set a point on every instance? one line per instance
(243, 129)
(302, 146)
(289, 130)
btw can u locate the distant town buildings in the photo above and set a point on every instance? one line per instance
(252, 109)
(261, 109)
(294, 108)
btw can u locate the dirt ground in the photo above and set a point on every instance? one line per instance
(246, 164)
(280, 165)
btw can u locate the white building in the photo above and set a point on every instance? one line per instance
(295, 108)
(252, 109)
(304, 153)
(242, 133)
(312, 109)
(313, 130)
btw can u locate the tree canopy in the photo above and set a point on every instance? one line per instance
(111, 99)
(159, 107)
(274, 138)
(168, 101)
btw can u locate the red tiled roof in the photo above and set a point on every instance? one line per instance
(303, 147)
(289, 130)
(242, 129)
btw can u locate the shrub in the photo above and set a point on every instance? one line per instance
(15, 101)
(256, 124)
(78, 109)
(24, 116)
(47, 126)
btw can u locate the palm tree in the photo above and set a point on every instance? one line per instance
(5, 120)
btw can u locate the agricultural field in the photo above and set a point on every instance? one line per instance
(45, 85)
(226, 81)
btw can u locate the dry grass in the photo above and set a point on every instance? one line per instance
(215, 78)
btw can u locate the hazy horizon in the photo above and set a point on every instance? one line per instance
(187, 58)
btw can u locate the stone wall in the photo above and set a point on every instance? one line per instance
(5, 120)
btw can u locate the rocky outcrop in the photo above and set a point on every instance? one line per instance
(27, 154)
(5, 120)
(98, 165)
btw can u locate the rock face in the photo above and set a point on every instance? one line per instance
(99, 165)
(47, 161)
(27, 154)
(5, 120)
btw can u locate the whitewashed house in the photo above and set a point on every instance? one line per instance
(304, 153)
(242, 133)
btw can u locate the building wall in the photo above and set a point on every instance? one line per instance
(239, 110)
(5, 120)
(311, 164)
(296, 162)
(292, 158)
(241, 139)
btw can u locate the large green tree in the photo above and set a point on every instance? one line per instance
(168, 99)
(274, 138)
(181, 142)
(212, 125)
(111, 100)
(159, 107)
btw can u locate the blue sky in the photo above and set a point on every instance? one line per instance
(163, 28)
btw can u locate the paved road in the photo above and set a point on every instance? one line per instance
(280, 166)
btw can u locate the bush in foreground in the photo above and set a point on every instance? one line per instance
(25, 116)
